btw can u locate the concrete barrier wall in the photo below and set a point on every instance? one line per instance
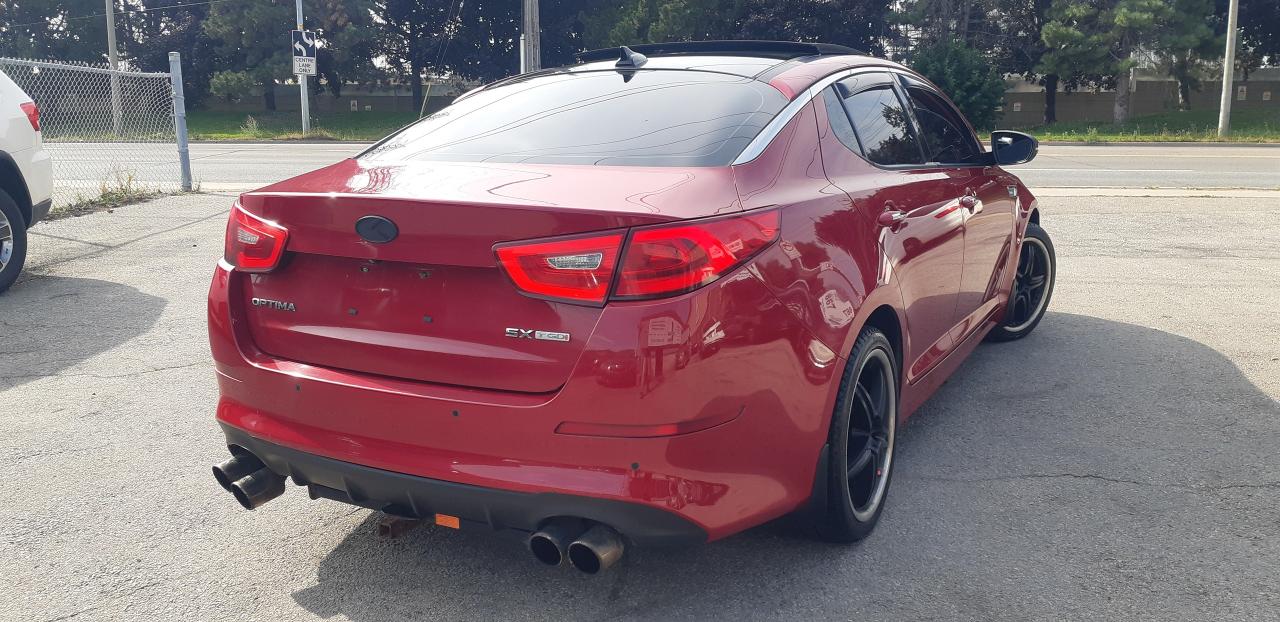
(352, 99)
(1022, 109)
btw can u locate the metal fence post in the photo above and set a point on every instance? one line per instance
(180, 118)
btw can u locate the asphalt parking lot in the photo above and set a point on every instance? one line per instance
(1120, 463)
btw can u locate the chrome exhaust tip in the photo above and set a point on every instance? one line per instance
(596, 550)
(549, 545)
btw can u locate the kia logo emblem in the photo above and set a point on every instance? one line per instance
(376, 229)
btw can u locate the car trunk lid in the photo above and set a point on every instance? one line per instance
(432, 304)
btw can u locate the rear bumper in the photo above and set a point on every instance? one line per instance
(40, 211)
(720, 431)
(479, 507)
(36, 169)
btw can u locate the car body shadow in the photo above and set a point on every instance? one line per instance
(50, 323)
(1049, 475)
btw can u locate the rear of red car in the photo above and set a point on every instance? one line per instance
(539, 309)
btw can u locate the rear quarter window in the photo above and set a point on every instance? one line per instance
(639, 118)
(883, 126)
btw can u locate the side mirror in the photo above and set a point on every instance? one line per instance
(1010, 147)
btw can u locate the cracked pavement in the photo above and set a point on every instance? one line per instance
(1120, 463)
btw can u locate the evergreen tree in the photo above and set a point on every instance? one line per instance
(252, 36)
(966, 76)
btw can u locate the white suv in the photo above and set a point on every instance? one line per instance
(26, 177)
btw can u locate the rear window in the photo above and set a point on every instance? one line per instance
(644, 118)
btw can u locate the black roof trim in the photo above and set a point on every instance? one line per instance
(781, 50)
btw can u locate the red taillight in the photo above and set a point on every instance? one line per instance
(253, 244)
(33, 114)
(666, 260)
(577, 269)
(659, 261)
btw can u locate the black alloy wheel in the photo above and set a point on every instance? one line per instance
(861, 441)
(1032, 286)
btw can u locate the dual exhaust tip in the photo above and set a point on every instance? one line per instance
(590, 549)
(249, 480)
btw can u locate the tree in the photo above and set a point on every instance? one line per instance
(565, 25)
(1259, 25)
(949, 20)
(428, 38)
(1099, 37)
(967, 76)
(1183, 42)
(64, 30)
(230, 85)
(859, 24)
(253, 36)
(150, 29)
(1018, 46)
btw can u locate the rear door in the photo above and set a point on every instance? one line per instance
(983, 192)
(926, 244)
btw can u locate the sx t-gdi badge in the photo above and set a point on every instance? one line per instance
(376, 229)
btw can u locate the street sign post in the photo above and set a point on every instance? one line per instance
(304, 64)
(304, 52)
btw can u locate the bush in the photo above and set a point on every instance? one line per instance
(231, 85)
(966, 77)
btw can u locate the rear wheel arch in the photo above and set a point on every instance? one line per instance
(1035, 216)
(885, 318)
(12, 183)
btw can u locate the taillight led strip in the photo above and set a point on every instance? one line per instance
(641, 263)
(253, 244)
(33, 114)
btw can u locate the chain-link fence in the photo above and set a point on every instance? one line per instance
(107, 131)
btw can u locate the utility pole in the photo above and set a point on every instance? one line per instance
(1228, 67)
(302, 84)
(114, 61)
(532, 39)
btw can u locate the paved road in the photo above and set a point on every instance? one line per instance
(242, 166)
(1154, 166)
(1120, 463)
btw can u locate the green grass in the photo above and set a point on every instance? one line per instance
(114, 193)
(360, 126)
(1191, 126)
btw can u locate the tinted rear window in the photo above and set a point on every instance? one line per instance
(656, 118)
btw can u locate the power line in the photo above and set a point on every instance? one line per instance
(449, 29)
(127, 11)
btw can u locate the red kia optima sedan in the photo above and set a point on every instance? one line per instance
(654, 298)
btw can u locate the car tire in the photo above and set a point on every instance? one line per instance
(13, 241)
(1032, 287)
(861, 441)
